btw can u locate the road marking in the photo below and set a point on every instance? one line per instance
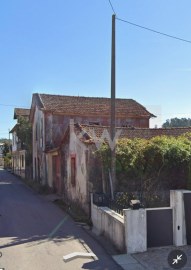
(57, 227)
(76, 255)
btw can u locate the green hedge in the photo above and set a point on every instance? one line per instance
(151, 166)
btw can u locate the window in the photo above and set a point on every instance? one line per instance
(128, 123)
(94, 123)
(36, 132)
(22, 161)
(73, 171)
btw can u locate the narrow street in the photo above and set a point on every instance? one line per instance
(35, 234)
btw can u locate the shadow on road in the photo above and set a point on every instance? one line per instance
(28, 218)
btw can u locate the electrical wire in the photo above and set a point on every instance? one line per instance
(147, 28)
(112, 7)
(9, 105)
(152, 30)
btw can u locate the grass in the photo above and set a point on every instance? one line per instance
(74, 210)
(41, 189)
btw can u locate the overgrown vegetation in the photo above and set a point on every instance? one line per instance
(36, 186)
(148, 169)
(24, 134)
(6, 153)
(74, 210)
(7, 161)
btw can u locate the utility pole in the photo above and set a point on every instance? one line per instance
(112, 131)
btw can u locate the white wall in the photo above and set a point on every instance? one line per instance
(110, 224)
(37, 146)
(78, 192)
(179, 225)
(14, 141)
(135, 230)
(130, 231)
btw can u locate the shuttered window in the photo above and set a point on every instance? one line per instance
(73, 171)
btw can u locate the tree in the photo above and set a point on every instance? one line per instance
(24, 133)
(177, 122)
(4, 140)
(7, 161)
(6, 153)
(5, 148)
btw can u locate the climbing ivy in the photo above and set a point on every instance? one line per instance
(149, 166)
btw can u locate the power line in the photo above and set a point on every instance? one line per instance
(11, 105)
(112, 7)
(147, 28)
(152, 30)
(187, 113)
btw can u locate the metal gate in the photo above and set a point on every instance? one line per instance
(159, 227)
(187, 208)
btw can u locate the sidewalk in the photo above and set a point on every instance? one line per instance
(152, 259)
(127, 262)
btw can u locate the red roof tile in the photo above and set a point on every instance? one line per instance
(74, 105)
(131, 133)
(21, 112)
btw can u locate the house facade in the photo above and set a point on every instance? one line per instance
(18, 149)
(50, 116)
(83, 169)
(68, 130)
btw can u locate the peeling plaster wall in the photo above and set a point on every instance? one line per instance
(53, 126)
(39, 171)
(18, 163)
(14, 141)
(79, 191)
(57, 124)
(88, 172)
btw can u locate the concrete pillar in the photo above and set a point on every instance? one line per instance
(135, 230)
(179, 225)
(96, 217)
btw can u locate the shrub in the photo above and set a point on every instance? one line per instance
(151, 166)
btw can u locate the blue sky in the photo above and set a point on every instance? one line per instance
(64, 47)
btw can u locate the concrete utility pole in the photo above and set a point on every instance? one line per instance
(113, 165)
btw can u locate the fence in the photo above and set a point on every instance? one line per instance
(101, 199)
(139, 229)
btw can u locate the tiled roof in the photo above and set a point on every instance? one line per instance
(13, 129)
(91, 106)
(147, 133)
(21, 112)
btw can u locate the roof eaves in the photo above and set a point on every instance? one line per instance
(40, 98)
(14, 128)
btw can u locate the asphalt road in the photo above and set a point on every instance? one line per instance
(35, 234)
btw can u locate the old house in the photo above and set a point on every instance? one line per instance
(18, 146)
(82, 169)
(50, 117)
